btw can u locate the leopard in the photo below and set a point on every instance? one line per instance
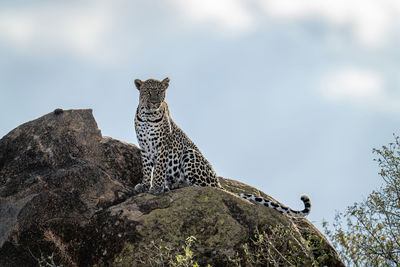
(170, 159)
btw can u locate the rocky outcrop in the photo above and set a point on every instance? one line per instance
(66, 196)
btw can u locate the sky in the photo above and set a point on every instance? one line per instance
(287, 96)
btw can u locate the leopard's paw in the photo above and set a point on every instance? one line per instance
(140, 188)
(156, 190)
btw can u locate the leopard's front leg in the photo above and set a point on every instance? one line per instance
(159, 173)
(147, 165)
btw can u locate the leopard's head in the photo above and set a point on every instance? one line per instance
(152, 92)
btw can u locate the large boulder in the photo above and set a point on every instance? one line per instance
(66, 197)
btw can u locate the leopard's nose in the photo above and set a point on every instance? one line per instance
(154, 99)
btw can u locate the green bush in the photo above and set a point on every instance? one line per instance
(368, 232)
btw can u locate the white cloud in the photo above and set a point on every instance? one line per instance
(92, 30)
(371, 22)
(18, 29)
(352, 83)
(88, 29)
(226, 15)
(83, 29)
(360, 87)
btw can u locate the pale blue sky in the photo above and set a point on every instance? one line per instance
(287, 96)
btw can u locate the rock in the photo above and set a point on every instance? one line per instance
(66, 196)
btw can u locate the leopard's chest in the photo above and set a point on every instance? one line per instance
(150, 138)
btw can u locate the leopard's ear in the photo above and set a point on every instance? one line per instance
(165, 82)
(138, 83)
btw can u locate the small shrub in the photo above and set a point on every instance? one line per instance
(279, 246)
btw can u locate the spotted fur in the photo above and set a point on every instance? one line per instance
(170, 159)
(282, 209)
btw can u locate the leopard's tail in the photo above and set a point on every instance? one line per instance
(279, 207)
